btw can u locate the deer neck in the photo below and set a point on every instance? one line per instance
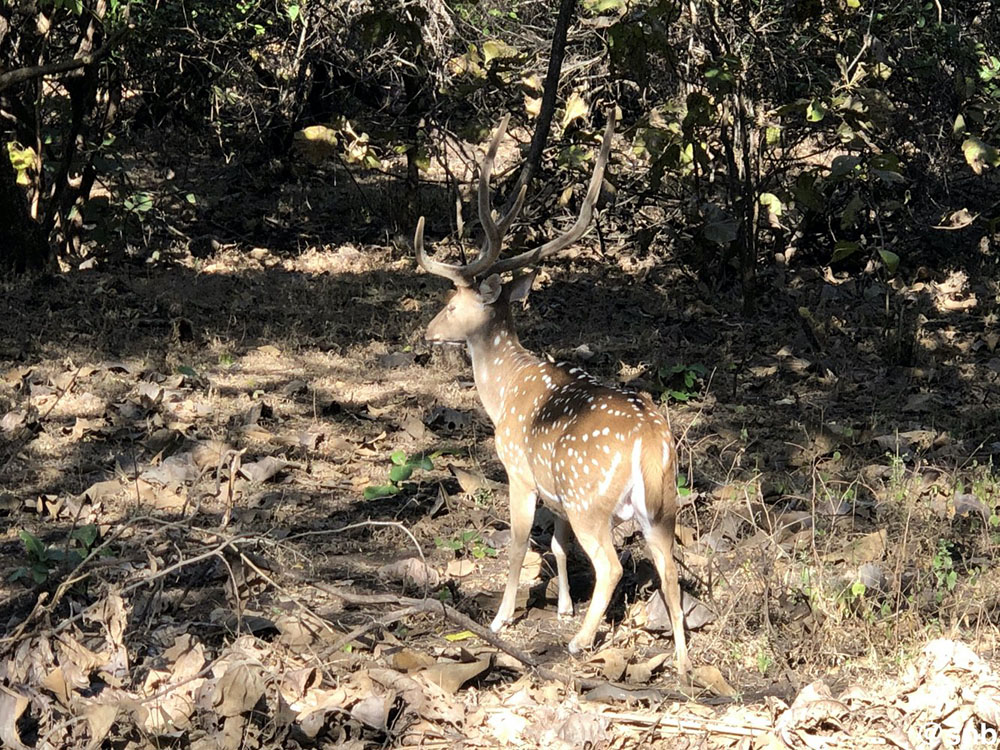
(496, 354)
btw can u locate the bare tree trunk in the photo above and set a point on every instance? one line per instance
(567, 10)
(22, 242)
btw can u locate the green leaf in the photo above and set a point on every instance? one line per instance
(843, 165)
(843, 250)
(190, 198)
(849, 216)
(858, 589)
(188, 371)
(33, 545)
(815, 111)
(980, 154)
(399, 474)
(292, 11)
(890, 259)
(495, 49)
(424, 462)
(773, 203)
(86, 535)
(376, 491)
(398, 458)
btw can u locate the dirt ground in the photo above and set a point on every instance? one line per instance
(209, 541)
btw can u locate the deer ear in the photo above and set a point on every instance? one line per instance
(520, 287)
(489, 290)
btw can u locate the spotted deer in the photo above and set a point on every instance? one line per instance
(594, 454)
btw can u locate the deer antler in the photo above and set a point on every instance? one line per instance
(582, 223)
(463, 275)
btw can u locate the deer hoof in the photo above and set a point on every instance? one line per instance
(498, 624)
(577, 647)
(565, 612)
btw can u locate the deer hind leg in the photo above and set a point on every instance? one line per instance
(560, 538)
(660, 538)
(600, 548)
(522, 515)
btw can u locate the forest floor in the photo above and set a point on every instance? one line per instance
(202, 546)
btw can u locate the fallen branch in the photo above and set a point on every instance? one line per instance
(451, 614)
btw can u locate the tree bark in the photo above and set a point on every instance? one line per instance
(567, 10)
(22, 243)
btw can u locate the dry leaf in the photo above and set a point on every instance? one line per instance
(869, 548)
(613, 661)
(708, 676)
(411, 569)
(576, 108)
(239, 689)
(460, 568)
(408, 660)
(100, 718)
(12, 705)
(264, 469)
(450, 676)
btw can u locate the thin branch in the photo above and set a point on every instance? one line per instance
(20, 75)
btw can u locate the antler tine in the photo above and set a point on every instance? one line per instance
(582, 223)
(436, 267)
(463, 275)
(489, 254)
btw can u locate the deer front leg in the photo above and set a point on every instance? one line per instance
(597, 543)
(560, 538)
(522, 515)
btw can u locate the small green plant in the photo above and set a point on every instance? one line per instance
(43, 560)
(681, 382)
(402, 469)
(944, 569)
(483, 497)
(467, 541)
(764, 662)
(682, 485)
